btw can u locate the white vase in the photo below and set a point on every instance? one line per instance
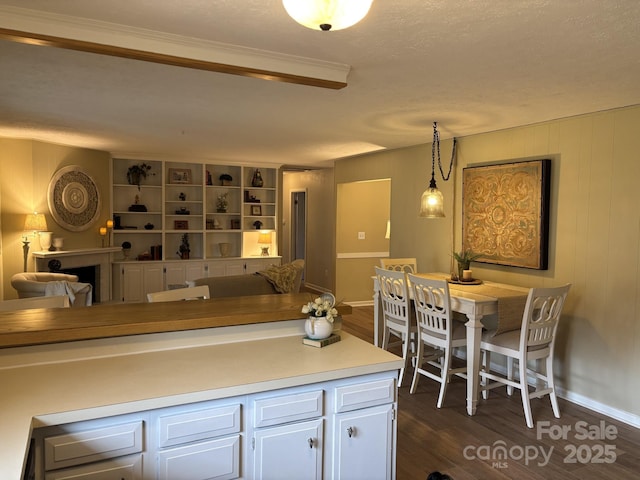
(45, 240)
(318, 328)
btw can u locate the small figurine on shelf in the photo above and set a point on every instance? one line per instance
(182, 196)
(184, 248)
(256, 181)
(209, 180)
(257, 224)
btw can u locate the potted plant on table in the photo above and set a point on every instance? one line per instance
(464, 259)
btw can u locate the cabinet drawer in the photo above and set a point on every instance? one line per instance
(125, 468)
(287, 408)
(198, 425)
(92, 445)
(368, 394)
(216, 459)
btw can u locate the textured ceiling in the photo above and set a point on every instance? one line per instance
(472, 66)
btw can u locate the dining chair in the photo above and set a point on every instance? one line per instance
(408, 265)
(398, 319)
(191, 293)
(438, 330)
(528, 346)
(57, 301)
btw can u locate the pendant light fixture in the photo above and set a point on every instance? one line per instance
(432, 201)
(327, 14)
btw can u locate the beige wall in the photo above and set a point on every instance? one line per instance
(361, 207)
(320, 192)
(594, 238)
(26, 167)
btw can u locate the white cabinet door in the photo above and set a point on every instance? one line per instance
(364, 444)
(132, 283)
(153, 279)
(289, 452)
(174, 274)
(235, 268)
(194, 271)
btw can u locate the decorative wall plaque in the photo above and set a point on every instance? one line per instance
(74, 199)
(505, 215)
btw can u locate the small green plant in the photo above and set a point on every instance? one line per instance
(465, 257)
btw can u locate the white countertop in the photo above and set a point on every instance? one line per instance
(76, 381)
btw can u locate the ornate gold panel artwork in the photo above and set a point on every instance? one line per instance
(505, 216)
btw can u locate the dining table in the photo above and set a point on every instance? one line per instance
(476, 300)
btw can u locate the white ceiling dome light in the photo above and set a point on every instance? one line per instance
(327, 14)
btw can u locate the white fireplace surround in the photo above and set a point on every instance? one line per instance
(86, 257)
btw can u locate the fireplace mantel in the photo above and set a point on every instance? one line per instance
(84, 257)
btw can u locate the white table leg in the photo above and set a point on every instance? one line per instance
(474, 334)
(376, 318)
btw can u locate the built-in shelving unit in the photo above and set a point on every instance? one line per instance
(219, 209)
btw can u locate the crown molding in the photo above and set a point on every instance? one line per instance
(74, 33)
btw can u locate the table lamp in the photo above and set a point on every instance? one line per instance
(34, 222)
(264, 238)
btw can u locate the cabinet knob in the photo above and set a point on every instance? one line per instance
(351, 431)
(310, 442)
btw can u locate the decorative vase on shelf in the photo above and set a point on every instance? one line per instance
(256, 181)
(318, 328)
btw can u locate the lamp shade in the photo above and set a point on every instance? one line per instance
(327, 14)
(264, 238)
(35, 222)
(432, 203)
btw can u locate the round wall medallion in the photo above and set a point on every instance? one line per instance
(74, 199)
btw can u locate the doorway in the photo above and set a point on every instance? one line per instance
(298, 224)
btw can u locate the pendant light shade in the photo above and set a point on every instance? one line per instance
(327, 14)
(432, 203)
(432, 200)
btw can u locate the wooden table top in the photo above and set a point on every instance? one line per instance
(55, 325)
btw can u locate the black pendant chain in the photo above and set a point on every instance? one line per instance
(436, 146)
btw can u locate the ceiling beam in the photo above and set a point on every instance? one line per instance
(92, 36)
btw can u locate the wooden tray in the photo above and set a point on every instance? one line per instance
(475, 281)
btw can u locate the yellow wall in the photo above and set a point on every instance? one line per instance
(320, 238)
(26, 167)
(362, 207)
(594, 238)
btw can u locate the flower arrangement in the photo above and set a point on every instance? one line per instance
(320, 308)
(222, 203)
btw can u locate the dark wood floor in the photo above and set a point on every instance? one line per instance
(465, 447)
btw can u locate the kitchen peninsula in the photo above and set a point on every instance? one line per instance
(146, 368)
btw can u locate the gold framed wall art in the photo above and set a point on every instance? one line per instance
(505, 216)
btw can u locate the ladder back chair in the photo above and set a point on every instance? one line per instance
(191, 293)
(407, 265)
(530, 345)
(438, 330)
(396, 311)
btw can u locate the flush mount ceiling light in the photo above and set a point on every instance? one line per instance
(327, 14)
(432, 201)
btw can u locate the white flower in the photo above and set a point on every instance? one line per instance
(320, 308)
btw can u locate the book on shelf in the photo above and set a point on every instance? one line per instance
(333, 338)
